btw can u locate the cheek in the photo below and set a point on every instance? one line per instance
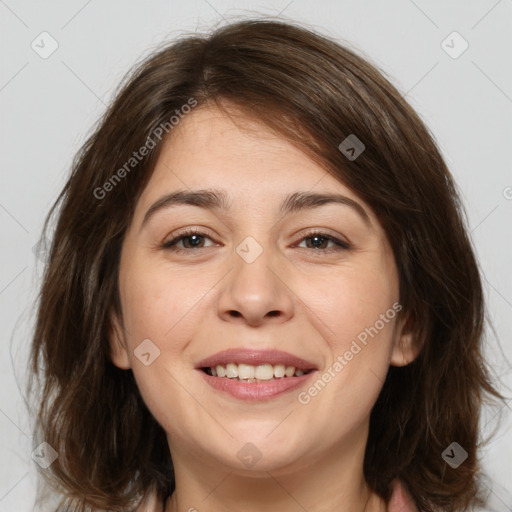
(350, 303)
(358, 312)
(357, 322)
(158, 302)
(163, 307)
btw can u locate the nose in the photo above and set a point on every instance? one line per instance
(255, 293)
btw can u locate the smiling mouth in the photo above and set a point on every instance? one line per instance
(254, 373)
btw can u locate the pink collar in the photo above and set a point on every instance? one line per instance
(401, 500)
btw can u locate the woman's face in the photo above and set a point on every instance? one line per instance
(278, 279)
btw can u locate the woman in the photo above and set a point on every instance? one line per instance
(261, 294)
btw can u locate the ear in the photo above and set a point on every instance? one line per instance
(406, 347)
(117, 341)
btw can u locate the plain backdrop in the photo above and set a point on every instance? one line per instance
(49, 103)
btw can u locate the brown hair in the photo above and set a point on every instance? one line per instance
(315, 92)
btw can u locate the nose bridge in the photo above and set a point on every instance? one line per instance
(254, 291)
(253, 261)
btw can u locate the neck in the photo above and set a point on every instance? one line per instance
(327, 481)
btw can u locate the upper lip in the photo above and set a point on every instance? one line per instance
(255, 358)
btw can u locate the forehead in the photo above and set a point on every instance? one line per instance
(209, 149)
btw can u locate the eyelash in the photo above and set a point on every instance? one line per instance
(340, 245)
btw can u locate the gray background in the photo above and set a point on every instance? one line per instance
(48, 105)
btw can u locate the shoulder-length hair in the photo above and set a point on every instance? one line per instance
(316, 93)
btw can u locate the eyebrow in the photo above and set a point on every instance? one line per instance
(218, 200)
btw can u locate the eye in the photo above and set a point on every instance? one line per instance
(191, 237)
(318, 241)
(194, 239)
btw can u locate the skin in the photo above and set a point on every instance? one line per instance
(192, 305)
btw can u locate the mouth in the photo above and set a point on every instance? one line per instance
(242, 372)
(255, 375)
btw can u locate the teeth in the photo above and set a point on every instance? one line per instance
(246, 371)
(264, 372)
(279, 371)
(232, 371)
(250, 373)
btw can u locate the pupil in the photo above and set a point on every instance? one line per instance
(316, 239)
(197, 239)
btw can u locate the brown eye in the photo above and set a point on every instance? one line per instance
(190, 240)
(319, 242)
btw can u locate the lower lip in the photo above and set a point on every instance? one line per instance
(255, 391)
